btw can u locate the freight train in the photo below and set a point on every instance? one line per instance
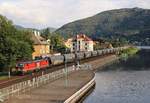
(24, 67)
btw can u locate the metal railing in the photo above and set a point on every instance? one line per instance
(24, 86)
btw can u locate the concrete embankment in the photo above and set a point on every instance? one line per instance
(68, 89)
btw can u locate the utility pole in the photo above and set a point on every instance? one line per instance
(9, 73)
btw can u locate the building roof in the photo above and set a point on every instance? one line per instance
(68, 40)
(84, 37)
(79, 36)
(38, 40)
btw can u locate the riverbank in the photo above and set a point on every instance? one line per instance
(128, 52)
(96, 64)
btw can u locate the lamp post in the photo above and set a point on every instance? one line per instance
(66, 71)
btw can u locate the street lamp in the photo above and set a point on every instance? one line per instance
(66, 71)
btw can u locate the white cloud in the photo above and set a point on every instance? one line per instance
(55, 13)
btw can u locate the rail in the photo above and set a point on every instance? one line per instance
(24, 86)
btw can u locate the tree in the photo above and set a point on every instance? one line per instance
(46, 33)
(57, 43)
(14, 45)
(56, 40)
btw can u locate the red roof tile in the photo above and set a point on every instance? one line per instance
(84, 37)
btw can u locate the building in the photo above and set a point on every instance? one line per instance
(102, 45)
(68, 42)
(41, 45)
(80, 43)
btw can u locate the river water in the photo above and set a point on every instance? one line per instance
(125, 81)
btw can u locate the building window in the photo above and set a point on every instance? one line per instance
(41, 51)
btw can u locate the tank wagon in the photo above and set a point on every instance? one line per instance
(69, 57)
(56, 60)
(103, 52)
(99, 52)
(107, 51)
(112, 51)
(94, 53)
(87, 54)
(80, 55)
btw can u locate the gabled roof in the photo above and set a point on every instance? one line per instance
(68, 40)
(84, 37)
(38, 40)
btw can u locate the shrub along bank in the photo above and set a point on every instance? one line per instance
(128, 52)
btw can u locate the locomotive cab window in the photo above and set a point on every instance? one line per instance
(20, 65)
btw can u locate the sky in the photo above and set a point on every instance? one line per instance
(55, 13)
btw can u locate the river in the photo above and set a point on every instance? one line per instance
(125, 81)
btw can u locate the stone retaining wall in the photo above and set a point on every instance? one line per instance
(76, 96)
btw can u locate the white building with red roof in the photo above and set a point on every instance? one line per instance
(81, 42)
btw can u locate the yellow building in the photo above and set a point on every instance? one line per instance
(41, 45)
(68, 42)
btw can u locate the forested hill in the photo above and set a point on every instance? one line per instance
(131, 23)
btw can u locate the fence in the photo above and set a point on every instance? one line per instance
(5, 93)
(84, 66)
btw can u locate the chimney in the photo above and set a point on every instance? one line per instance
(35, 33)
(38, 33)
(84, 35)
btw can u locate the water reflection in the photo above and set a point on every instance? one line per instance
(124, 81)
(140, 61)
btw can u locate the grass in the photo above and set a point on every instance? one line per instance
(3, 77)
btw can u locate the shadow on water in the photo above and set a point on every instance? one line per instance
(139, 61)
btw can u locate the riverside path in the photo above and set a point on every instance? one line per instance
(55, 92)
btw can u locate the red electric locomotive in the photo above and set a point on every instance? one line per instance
(32, 65)
(43, 64)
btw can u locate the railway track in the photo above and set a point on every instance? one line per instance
(18, 79)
